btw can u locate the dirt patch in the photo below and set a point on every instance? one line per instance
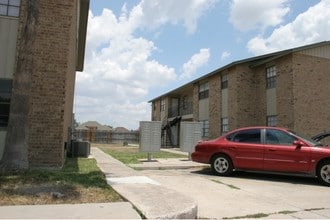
(38, 194)
(48, 190)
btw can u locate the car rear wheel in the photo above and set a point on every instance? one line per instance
(222, 165)
(323, 172)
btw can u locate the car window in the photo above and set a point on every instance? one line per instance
(304, 138)
(246, 136)
(279, 137)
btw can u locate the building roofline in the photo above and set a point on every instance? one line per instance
(256, 61)
(82, 32)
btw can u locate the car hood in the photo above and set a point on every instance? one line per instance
(320, 136)
(327, 148)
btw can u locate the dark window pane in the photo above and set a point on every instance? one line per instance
(205, 128)
(3, 121)
(5, 85)
(277, 137)
(271, 77)
(224, 85)
(9, 8)
(14, 2)
(5, 90)
(248, 136)
(224, 81)
(5, 2)
(224, 125)
(4, 109)
(272, 120)
(203, 91)
(3, 10)
(5, 95)
(204, 94)
(4, 115)
(13, 11)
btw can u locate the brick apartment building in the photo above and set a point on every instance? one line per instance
(42, 45)
(288, 88)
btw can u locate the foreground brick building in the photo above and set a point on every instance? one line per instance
(42, 45)
(288, 88)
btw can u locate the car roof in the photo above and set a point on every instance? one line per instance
(258, 127)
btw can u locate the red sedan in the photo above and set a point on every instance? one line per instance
(265, 149)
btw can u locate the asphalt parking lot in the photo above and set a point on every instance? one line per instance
(246, 195)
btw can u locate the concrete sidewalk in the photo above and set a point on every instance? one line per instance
(167, 164)
(119, 210)
(148, 196)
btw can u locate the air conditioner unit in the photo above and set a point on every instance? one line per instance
(80, 149)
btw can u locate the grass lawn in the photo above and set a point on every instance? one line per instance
(131, 155)
(80, 181)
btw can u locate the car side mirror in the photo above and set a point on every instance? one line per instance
(298, 143)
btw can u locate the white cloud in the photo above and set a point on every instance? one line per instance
(159, 12)
(119, 70)
(196, 61)
(225, 55)
(309, 27)
(118, 73)
(247, 15)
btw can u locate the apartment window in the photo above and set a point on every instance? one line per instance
(204, 91)
(272, 120)
(5, 95)
(162, 105)
(224, 81)
(271, 77)
(224, 125)
(9, 8)
(205, 128)
(184, 102)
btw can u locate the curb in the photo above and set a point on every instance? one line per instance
(153, 200)
(169, 167)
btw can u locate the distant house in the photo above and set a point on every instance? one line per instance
(95, 132)
(93, 125)
(121, 130)
(123, 135)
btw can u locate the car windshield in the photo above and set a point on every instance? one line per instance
(306, 139)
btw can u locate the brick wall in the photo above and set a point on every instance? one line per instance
(242, 96)
(195, 102)
(155, 110)
(232, 98)
(43, 90)
(311, 101)
(260, 102)
(284, 85)
(214, 106)
(52, 86)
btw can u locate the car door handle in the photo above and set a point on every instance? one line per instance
(271, 150)
(232, 148)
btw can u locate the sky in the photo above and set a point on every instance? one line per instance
(137, 50)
